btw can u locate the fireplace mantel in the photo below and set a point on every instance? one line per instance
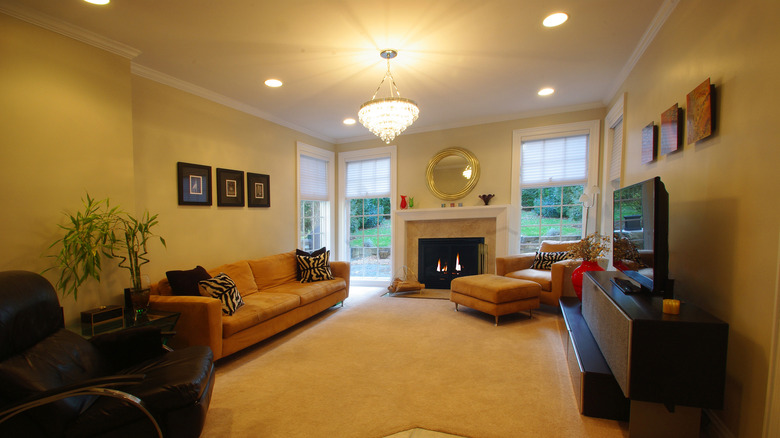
(498, 212)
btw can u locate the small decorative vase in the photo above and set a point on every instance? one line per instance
(411, 202)
(486, 198)
(139, 300)
(576, 276)
(404, 204)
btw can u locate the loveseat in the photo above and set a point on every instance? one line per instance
(274, 300)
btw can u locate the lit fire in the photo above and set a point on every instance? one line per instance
(443, 268)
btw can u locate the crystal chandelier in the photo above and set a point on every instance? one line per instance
(387, 117)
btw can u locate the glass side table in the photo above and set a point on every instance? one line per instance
(166, 321)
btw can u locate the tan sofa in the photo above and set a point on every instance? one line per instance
(273, 301)
(555, 282)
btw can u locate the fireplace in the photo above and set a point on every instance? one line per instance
(440, 260)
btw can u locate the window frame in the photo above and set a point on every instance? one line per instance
(592, 128)
(330, 158)
(343, 204)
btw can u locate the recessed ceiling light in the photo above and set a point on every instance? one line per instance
(546, 91)
(555, 19)
(349, 121)
(98, 2)
(273, 83)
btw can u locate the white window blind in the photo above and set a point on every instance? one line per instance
(313, 179)
(616, 155)
(554, 161)
(368, 178)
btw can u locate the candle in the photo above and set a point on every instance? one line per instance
(672, 307)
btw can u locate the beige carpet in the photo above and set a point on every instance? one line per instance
(379, 366)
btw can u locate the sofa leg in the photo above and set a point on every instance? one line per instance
(531, 313)
(456, 307)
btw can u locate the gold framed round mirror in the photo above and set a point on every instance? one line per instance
(452, 173)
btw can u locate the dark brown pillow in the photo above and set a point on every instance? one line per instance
(186, 282)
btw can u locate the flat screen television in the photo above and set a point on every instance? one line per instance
(640, 226)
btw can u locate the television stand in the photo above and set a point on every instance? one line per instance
(669, 366)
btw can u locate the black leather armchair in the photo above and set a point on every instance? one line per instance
(54, 383)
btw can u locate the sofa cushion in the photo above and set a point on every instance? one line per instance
(314, 268)
(555, 246)
(310, 292)
(257, 308)
(544, 278)
(241, 274)
(224, 289)
(274, 270)
(300, 252)
(544, 260)
(186, 282)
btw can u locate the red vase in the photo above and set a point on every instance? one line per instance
(404, 205)
(576, 276)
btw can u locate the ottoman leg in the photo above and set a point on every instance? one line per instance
(456, 307)
(496, 324)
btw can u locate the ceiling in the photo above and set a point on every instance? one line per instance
(463, 61)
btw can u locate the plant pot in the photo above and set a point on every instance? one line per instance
(576, 276)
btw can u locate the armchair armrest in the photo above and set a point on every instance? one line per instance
(341, 270)
(97, 387)
(200, 322)
(505, 265)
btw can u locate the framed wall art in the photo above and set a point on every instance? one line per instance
(230, 188)
(194, 184)
(671, 129)
(700, 112)
(258, 190)
(649, 142)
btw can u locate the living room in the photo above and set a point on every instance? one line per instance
(82, 118)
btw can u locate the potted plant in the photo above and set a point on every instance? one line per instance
(589, 250)
(100, 230)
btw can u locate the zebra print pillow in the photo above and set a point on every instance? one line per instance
(224, 289)
(314, 268)
(544, 260)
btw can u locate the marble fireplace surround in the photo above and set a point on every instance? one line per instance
(488, 221)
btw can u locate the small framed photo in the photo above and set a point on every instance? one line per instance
(194, 184)
(258, 190)
(699, 118)
(230, 188)
(649, 142)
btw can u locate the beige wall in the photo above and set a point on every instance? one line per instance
(171, 126)
(724, 209)
(490, 143)
(65, 129)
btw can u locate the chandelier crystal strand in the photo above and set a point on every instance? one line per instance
(388, 117)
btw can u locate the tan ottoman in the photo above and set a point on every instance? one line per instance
(495, 295)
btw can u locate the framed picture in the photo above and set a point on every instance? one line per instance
(258, 190)
(671, 129)
(649, 142)
(699, 117)
(230, 188)
(194, 184)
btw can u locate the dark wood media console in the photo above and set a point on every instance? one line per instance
(662, 363)
(595, 388)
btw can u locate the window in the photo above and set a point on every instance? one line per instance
(552, 167)
(315, 175)
(368, 190)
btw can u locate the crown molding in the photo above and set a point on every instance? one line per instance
(652, 30)
(207, 94)
(69, 30)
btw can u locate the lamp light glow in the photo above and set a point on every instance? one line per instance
(555, 19)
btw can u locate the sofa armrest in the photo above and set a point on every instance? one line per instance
(561, 276)
(200, 322)
(505, 265)
(341, 270)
